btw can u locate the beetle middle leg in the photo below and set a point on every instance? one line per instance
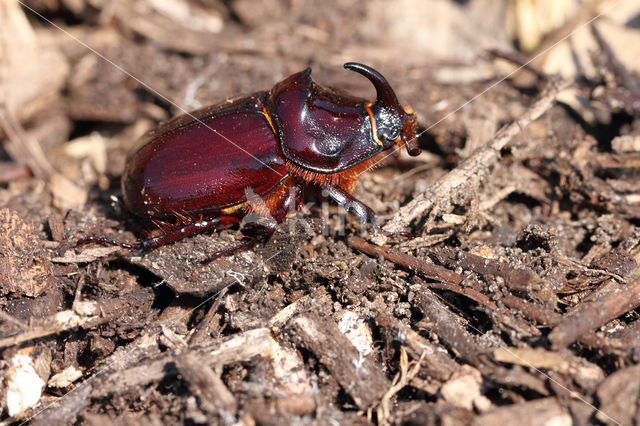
(264, 231)
(364, 212)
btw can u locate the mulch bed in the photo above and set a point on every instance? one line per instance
(514, 299)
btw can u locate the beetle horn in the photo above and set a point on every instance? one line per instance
(384, 93)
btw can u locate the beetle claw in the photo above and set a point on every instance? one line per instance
(138, 253)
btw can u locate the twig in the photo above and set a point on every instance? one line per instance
(627, 80)
(592, 315)
(10, 171)
(447, 327)
(448, 280)
(437, 362)
(24, 149)
(9, 318)
(523, 279)
(520, 60)
(242, 347)
(214, 397)
(204, 327)
(65, 409)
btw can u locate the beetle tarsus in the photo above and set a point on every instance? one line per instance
(108, 242)
(350, 203)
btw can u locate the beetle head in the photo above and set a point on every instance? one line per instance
(391, 122)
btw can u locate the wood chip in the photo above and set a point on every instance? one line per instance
(360, 377)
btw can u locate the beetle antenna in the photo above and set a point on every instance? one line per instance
(385, 96)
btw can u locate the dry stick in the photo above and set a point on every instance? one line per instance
(532, 311)
(523, 279)
(544, 316)
(468, 176)
(540, 411)
(202, 330)
(24, 149)
(592, 315)
(519, 59)
(214, 396)
(9, 318)
(449, 280)
(10, 171)
(437, 363)
(241, 347)
(448, 327)
(66, 409)
(124, 371)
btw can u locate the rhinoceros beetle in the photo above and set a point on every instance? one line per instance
(198, 169)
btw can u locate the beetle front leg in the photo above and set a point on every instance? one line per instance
(294, 198)
(352, 204)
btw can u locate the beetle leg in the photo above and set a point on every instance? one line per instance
(219, 222)
(168, 237)
(293, 200)
(352, 204)
(263, 232)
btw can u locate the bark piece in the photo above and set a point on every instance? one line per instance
(23, 269)
(214, 397)
(619, 397)
(539, 412)
(360, 377)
